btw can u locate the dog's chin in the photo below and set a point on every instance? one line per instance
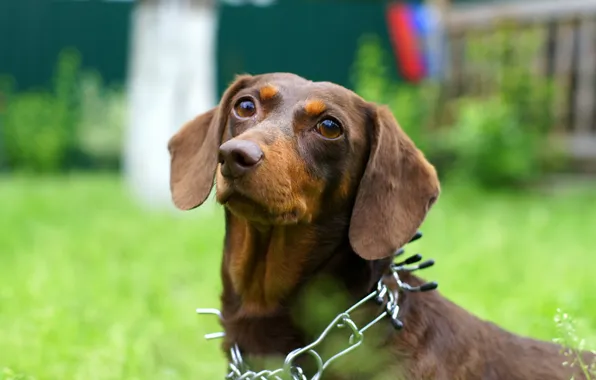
(245, 207)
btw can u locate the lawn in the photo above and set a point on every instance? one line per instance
(93, 287)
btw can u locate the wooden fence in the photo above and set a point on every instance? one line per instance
(566, 53)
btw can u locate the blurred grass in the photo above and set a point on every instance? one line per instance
(92, 287)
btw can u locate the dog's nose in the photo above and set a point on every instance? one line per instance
(237, 157)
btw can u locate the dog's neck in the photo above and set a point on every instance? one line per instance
(266, 264)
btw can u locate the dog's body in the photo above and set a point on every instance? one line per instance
(320, 188)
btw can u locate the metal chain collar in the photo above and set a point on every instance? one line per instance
(239, 370)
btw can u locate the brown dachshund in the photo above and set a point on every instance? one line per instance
(320, 188)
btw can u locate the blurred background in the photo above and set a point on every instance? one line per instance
(100, 276)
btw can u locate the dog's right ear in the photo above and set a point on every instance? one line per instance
(398, 188)
(194, 151)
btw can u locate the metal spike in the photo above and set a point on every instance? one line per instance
(416, 236)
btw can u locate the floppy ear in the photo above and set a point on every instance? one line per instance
(396, 191)
(194, 151)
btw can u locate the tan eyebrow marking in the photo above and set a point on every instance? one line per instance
(315, 107)
(267, 92)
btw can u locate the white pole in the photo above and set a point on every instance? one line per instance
(172, 79)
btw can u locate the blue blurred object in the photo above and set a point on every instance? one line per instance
(429, 29)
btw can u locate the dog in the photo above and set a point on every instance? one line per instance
(320, 187)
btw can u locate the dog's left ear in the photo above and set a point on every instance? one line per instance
(396, 191)
(194, 150)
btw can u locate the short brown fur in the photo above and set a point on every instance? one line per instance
(314, 210)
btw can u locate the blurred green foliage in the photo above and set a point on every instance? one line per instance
(77, 123)
(34, 132)
(412, 104)
(102, 122)
(498, 134)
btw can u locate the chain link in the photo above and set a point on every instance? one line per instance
(239, 370)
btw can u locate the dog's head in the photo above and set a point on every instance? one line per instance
(283, 150)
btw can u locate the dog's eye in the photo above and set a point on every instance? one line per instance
(245, 108)
(329, 129)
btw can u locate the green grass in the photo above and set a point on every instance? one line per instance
(93, 287)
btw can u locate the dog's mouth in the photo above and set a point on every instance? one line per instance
(223, 196)
(243, 205)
